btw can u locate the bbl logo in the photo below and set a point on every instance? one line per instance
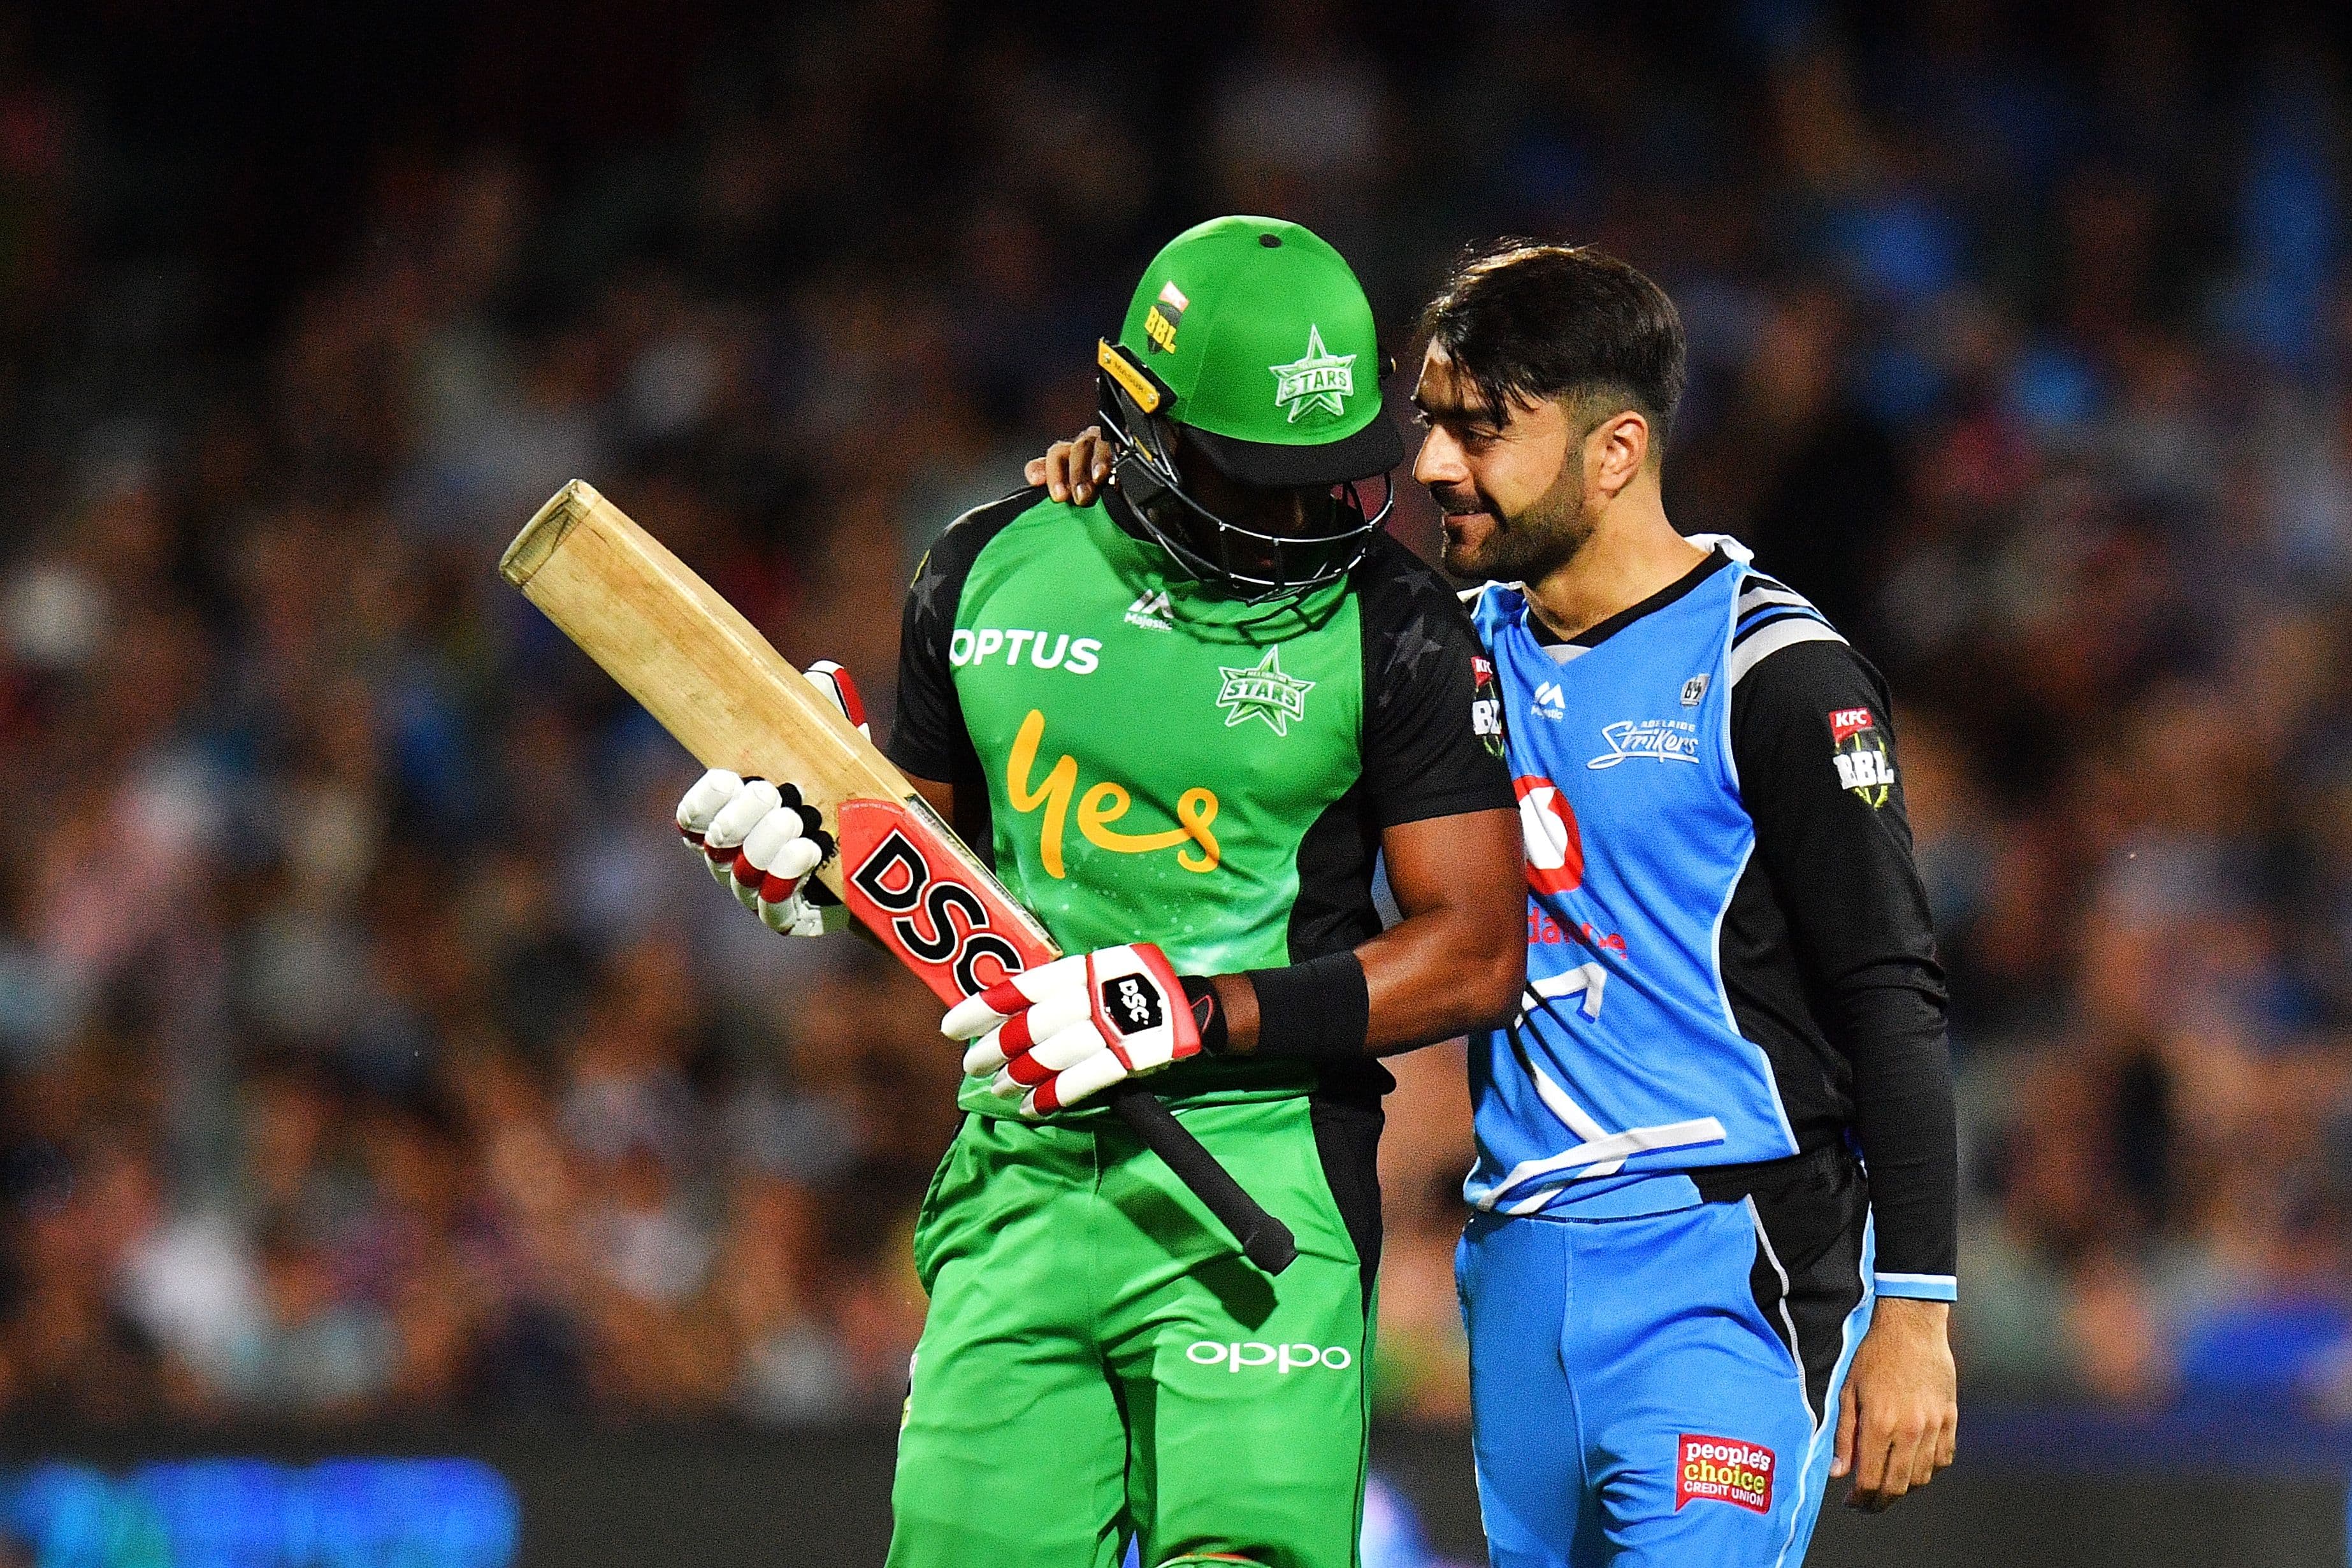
(1861, 756)
(1486, 707)
(1167, 314)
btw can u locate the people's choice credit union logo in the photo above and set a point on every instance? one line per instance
(1722, 1470)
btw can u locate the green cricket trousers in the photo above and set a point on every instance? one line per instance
(1100, 1362)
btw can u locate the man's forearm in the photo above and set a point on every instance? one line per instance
(1426, 979)
(1905, 1120)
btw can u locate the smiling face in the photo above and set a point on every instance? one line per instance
(1509, 480)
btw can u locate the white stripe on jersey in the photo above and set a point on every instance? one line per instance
(1756, 598)
(1765, 641)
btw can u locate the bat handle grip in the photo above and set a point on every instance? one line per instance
(1265, 1241)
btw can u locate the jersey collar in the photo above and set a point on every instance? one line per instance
(1593, 636)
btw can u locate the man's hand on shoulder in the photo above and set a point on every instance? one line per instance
(1899, 1415)
(1072, 470)
(1051, 1035)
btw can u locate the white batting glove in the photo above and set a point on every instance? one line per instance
(1051, 1035)
(761, 841)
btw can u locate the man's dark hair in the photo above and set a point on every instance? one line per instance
(1524, 321)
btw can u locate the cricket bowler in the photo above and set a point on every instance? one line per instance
(1689, 1303)
(1733, 990)
(1186, 717)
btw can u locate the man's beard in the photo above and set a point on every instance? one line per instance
(1526, 548)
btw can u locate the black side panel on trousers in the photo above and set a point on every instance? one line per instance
(1348, 1141)
(1812, 1208)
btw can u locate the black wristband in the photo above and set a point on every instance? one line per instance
(1208, 1013)
(1320, 1010)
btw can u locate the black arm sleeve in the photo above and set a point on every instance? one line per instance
(1812, 736)
(927, 732)
(927, 739)
(1432, 716)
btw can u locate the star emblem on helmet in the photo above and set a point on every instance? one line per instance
(1319, 378)
(1262, 691)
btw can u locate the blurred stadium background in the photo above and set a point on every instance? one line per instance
(378, 1078)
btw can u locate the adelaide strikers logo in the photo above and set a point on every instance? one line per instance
(1547, 823)
(1860, 755)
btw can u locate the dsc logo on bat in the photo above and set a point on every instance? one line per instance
(950, 922)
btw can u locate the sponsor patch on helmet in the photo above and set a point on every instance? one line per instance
(1167, 314)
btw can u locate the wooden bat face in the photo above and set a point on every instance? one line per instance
(730, 698)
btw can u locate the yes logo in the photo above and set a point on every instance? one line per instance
(1098, 808)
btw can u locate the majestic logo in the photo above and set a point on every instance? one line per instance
(1722, 1470)
(1550, 701)
(1151, 612)
(1284, 1358)
(1547, 823)
(1262, 691)
(1167, 314)
(1660, 739)
(1860, 755)
(1318, 379)
(1098, 808)
(1694, 689)
(978, 644)
(1487, 706)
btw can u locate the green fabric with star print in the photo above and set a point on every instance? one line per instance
(1164, 764)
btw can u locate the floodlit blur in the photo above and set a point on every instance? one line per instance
(369, 1044)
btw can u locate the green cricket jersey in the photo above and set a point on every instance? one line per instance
(1149, 761)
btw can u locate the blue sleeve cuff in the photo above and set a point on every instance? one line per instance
(1917, 1287)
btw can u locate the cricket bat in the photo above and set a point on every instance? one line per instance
(726, 696)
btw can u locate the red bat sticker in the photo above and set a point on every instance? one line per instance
(905, 879)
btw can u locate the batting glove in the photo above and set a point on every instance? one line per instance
(761, 840)
(1051, 1035)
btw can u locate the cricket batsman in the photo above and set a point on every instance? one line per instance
(1689, 1303)
(1186, 716)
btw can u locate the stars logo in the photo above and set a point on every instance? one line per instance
(1319, 379)
(1263, 691)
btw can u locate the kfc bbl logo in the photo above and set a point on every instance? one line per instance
(1859, 753)
(1486, 707)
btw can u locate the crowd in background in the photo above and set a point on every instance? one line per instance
(368, 1042)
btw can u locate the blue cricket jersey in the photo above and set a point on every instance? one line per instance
(1720, 971)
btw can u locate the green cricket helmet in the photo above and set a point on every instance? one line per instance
(1252, 337)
